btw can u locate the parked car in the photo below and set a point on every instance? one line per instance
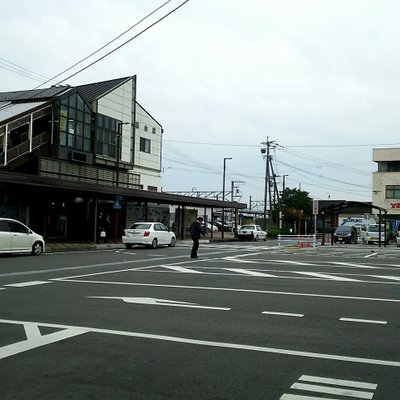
(227, 225)
(251, 232)
(373, 234)
(345, 234)
(211, 227)
(15, 237)
(151, 234)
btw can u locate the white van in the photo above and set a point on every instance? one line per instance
(373, 234)
(15, 237)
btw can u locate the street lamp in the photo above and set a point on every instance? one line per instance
(223, 198)
(119, 137)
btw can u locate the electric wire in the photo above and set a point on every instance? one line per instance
(105, 45)
(125, 43)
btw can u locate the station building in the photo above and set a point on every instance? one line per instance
(68, 154)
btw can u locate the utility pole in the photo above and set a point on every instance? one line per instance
(268, 167)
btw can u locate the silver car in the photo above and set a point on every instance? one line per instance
(15, 237)
(151, 234)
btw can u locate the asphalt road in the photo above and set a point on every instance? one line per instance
(243, 321)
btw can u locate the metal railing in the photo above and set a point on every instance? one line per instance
(298, 241)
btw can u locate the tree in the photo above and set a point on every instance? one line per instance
(296, 205)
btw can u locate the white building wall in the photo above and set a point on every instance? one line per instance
(148, 164)
(118, 104)
(380, 180)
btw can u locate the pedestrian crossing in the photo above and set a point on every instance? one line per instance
(275, 273)
(320, 387)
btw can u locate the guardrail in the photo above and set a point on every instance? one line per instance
(299, 241)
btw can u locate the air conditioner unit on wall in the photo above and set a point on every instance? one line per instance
(78, 156)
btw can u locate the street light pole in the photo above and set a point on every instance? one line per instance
(119, 137)
(223, 198)
(118, 156)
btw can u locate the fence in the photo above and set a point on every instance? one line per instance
(299, 241)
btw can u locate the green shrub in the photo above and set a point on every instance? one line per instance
(273, 232)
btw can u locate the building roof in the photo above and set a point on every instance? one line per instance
(93, 91)
(10, 110)
(90, 91)
(12, 178)
(32, 95)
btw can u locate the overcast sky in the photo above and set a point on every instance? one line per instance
(320, 78)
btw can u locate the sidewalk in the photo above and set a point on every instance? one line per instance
(56, 246)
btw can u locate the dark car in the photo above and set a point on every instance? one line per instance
(345, 234)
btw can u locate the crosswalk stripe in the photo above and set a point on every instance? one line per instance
(249, 272)
(331, 390)
(340, 382)
(181, 269)
(326, 276)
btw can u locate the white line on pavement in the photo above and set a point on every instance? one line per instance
(365, 321)
(25, 284)
(284, 314)
(71, 331)
(327, 296)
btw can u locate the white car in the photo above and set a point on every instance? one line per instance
(151, 234)
(15, 237)
(211, 227)
(251, 232)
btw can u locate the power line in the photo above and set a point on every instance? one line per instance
(125, 43)
(105, 45)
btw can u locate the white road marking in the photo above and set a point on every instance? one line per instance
(25, 284)
(338, 382)
(337, 387)
(159, 302)
(293, 262)
(394, 278)
(70, 331)
(371, 255)
(326, 276)
(35, 339)
(352, 265)
(249, 272)
(235, 259)
(283, 314)
(331, 390)
(365, 321)
(327, 296)
(180, 269)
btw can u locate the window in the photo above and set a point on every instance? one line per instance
(145, 145)
(145, 128)
(75, 119)
(393, 192)
(106, 136)
(153, 130)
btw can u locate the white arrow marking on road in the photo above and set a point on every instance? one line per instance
(159, 302)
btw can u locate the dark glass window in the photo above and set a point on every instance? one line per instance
(73, 112)
(106, 136)
(145, 145)
(393, 192)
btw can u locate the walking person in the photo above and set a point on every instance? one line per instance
(195, 232)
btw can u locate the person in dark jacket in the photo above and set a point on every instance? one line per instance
(195, 232)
